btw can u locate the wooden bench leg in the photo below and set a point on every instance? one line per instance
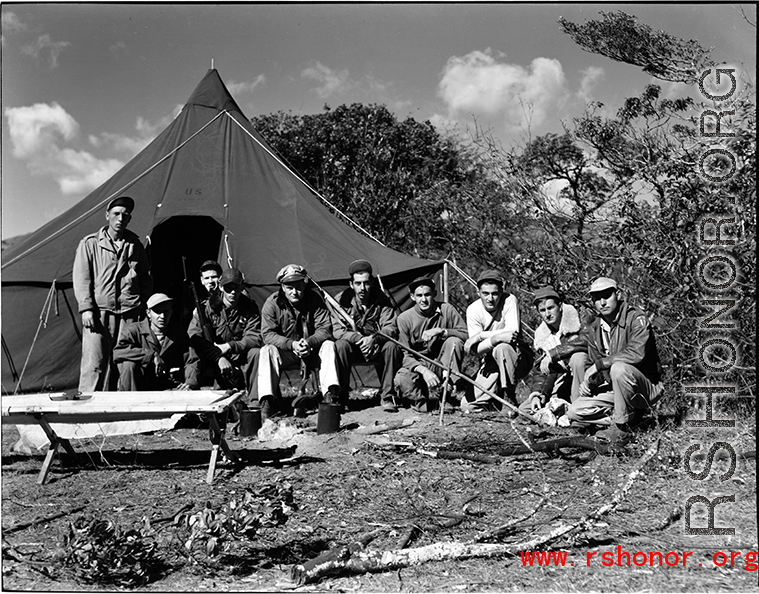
(55, 441)
(218, 440)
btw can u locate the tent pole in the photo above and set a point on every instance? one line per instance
(445, 282)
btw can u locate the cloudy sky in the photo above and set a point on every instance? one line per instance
(86, 86)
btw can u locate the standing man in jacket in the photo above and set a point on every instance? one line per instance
(112, 283)
(236, 331)
(623, 378)
(297, 331)
(435, 330)
(360, 342)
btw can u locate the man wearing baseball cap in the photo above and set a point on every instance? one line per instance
(154, 354)
(561, 344)
(494, 327)
(297, 331)
(371, 312)
(435, 330)
(624, 377)
(236, 322)
(112, 282)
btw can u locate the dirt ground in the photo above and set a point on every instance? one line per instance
(348, 484)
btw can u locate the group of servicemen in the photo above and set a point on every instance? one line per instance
(607, 372)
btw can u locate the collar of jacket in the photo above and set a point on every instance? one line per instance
(105, 240)
(620, 319)
(570, 324)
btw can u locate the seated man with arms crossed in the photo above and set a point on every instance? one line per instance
(155, 354)
(371, 312)
(297, 331)
(435, 330)
(623, 378)
(495, 327)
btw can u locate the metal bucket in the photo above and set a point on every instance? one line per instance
(250, 422)
(328, 420)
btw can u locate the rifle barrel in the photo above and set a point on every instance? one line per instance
(462, 376)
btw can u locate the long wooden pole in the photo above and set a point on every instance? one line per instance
(490, 393)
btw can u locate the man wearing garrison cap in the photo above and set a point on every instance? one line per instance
(155, 353)
(297, 331)
(234, 353)
(112, 283)
(371, 312)
(495, 329)
(624, 375)
(561, 343)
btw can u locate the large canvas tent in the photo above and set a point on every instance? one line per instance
(208, 186)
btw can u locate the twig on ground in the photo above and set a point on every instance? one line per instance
(44, 519)
(504, 528)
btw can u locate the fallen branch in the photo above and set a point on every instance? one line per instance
(553, 445)
(49, 518)
(448, 455)
(354, 558)
(549, 445)
(381, 427)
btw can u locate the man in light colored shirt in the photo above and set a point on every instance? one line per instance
(494, 328)
(112, 283)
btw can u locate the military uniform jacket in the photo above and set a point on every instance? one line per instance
(138, 344)
(631, 340)
(108, 279)
(282, 324)
(240, 326)
(378, 316)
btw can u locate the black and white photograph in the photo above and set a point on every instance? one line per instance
(378, 297)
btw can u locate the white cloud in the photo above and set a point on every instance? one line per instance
(331, 82)
(237, 88)
(35, 129)
(480, 84)
(45, 45)
(590, 77)
(11, 24)
(81, 172)
(42, 135)
(117, 47)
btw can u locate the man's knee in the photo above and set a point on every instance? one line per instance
(454, 343)
(578, 360)
(343, 348)
(620, 370)
(504, 350)
(268, 352)
(328, 348)
(253, 355)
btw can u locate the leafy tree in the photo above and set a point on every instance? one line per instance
(416, 190)
(623, 38)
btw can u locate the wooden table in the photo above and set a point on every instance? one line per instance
(100, 407)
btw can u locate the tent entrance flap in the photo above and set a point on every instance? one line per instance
(196, 238)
